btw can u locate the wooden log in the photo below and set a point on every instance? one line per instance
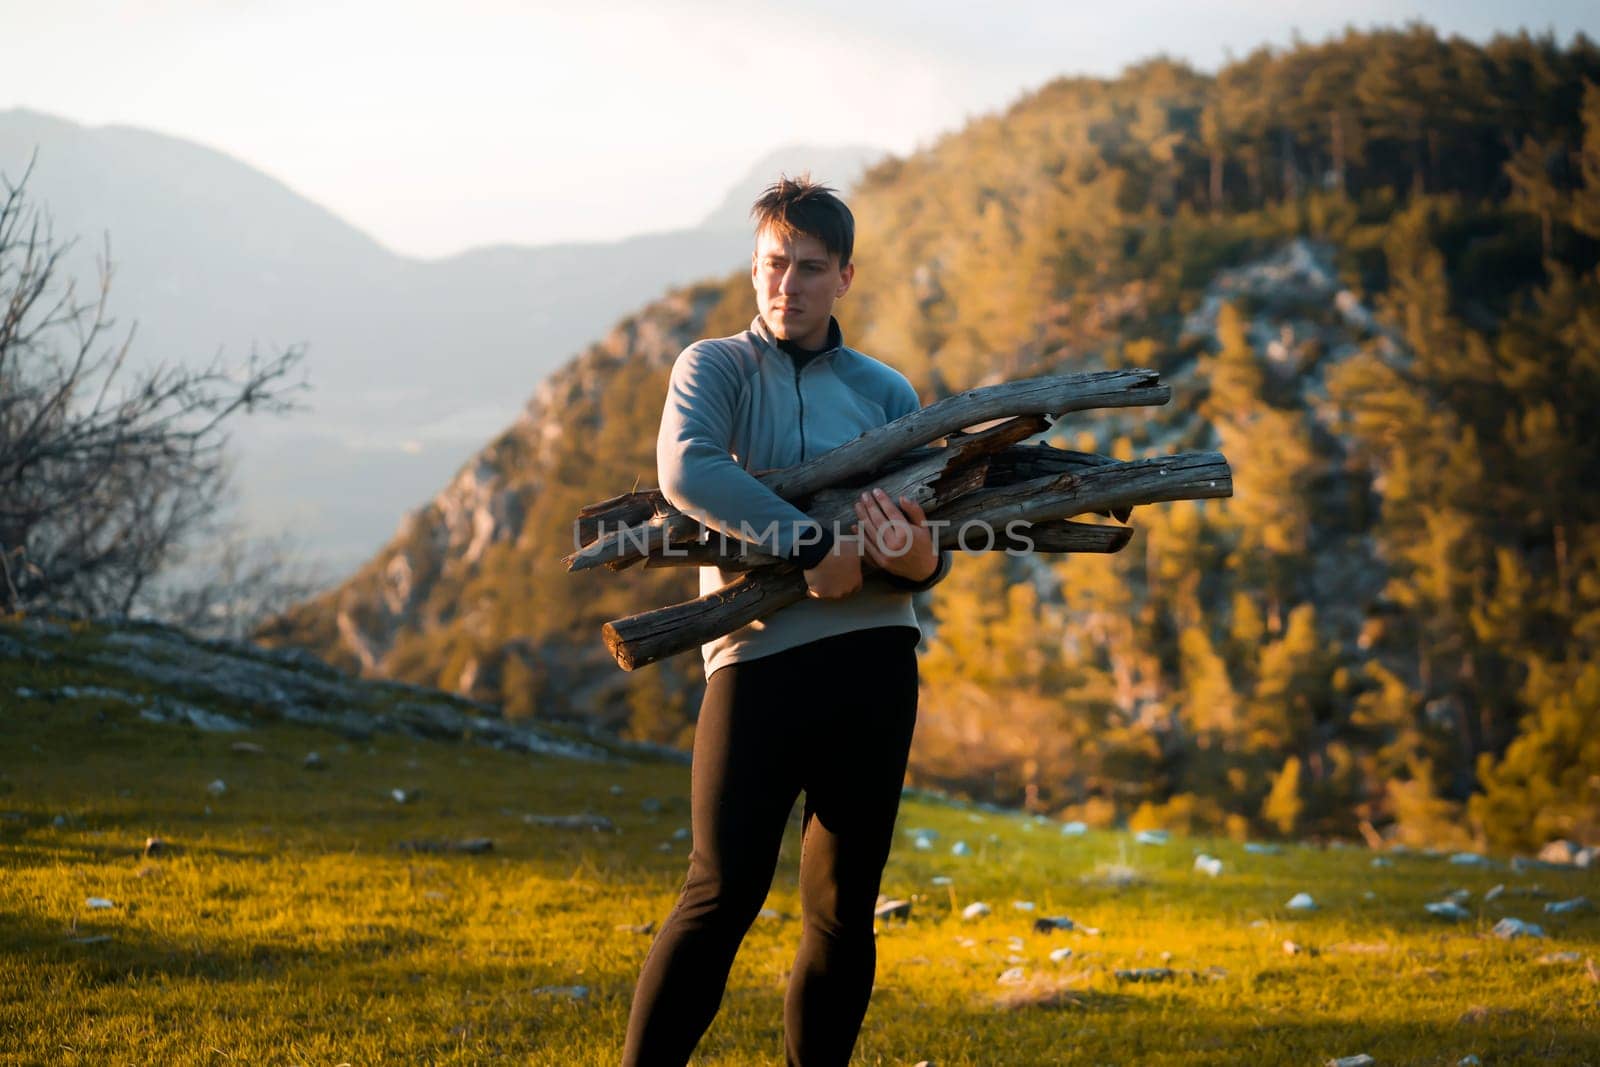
(1054, 395)
(1019, 462)
(644, 638)
(624, 509)
(920, 481)
(1063, 535)
(1185, 476)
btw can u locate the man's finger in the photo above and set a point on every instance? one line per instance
(873, 511)
(913, 510)
(887, 505)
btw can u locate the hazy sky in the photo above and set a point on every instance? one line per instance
(438, 127)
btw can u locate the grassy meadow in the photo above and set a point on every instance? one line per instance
(287, 920)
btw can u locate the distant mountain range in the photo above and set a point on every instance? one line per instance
(413, 363)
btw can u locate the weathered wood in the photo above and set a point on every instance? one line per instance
(1185, 476)
(633, 541)
(644, 638)
(917, 480)
(1019, 462)
(624, 509)
(1053, 395)
(876, 448)
(1063, 535)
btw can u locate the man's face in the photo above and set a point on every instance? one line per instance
(797, 281)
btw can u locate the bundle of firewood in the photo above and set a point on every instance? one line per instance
(986, 480)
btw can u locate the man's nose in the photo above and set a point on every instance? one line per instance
(790, 282)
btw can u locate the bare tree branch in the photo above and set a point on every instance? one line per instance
(106, 474)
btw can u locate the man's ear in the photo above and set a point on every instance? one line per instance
(846, 276)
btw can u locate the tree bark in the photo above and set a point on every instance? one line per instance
(1054, 395)
(919, 480)
(642, 639)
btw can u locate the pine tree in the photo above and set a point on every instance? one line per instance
(1547, 785)
(1283, 805)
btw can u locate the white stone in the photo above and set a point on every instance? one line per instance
(1566, 907)
(1448, 909)
(1152, 837)
(98, 903)
(1059, 954)
(217, 787)
(1511, 929)
(976, 910)
(571, 992)
(1074, 829)
(1208, 865)
(892, 909)
(1301, 902)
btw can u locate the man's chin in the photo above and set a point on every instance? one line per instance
(786, 328)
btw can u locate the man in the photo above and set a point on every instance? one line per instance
(820, 696)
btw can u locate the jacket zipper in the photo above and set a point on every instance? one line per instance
(802, 398)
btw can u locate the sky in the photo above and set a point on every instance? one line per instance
(437, 128)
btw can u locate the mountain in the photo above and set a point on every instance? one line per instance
(1377, 296)
(412, 362)
(840, 168)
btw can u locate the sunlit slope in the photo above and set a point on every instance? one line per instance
(307, 914)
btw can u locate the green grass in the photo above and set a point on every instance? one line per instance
(286, 926)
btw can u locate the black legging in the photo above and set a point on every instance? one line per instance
(833, 717)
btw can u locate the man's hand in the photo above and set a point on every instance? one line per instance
(839, 573)
(897, 539)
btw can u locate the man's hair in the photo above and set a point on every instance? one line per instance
(800, 207)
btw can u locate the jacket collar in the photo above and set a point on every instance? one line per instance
(759, 327)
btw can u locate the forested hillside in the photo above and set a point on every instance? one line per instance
(1368, 269)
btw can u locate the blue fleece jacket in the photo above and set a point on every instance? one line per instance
(740, 404)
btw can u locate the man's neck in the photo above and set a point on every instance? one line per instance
(801, 351)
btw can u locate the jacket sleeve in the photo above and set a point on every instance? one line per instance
(699, 476)
(903, 400)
